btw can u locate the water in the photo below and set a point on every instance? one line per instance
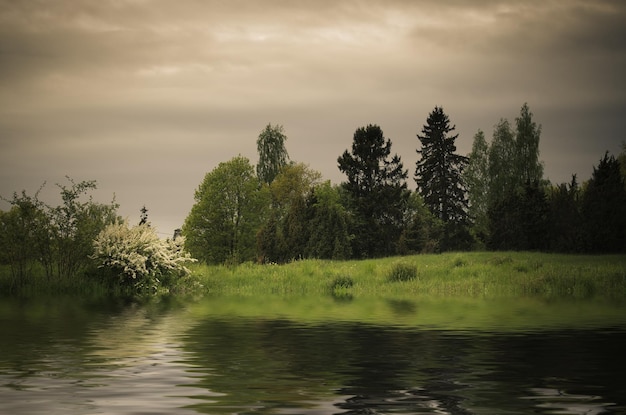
(245, 356)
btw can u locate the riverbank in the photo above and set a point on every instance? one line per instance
(469, 274)
(487, 274)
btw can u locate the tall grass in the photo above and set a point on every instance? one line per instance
(490, 274)
(473, 274)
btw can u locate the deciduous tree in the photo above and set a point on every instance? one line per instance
(528, 167)
(273, 155)
(284, 236)
(502, 162)
(476, 178)
(59, 237)
(230, 206)
(329, 236)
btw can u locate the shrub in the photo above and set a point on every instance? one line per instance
(341, 282)
(138, 255)
(340, 288)
(402, 272)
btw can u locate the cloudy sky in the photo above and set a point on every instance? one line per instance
(147, 96)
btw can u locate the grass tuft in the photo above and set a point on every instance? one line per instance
(402, 272)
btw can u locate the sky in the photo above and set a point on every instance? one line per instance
(147, 96)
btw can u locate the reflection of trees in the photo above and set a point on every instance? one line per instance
(346, 368)
(269, 364)
(237, 365)
(56, 335)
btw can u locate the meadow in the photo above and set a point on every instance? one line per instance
(466, 274)
(471, 274)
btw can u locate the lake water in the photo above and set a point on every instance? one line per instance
(312, 356)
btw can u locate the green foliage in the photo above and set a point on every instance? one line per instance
(137, 255)
(230, 207)
(422, 230)
(376, 192)
(604, 208)
(329, 236)
(75, 224)
(23, 235)
(272, 152)
(439, 171)
(517, 205)
(502, 162)
(519, 221)
(56, 238)
(342, 281)
(621, 158)
(306, 219)
(340, 288)
(565, 218)
(528, 167)
(402, 272)
(476, 178)
(440, 181)
(285, 235)
(514, 156)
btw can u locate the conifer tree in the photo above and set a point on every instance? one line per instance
(439, 171)
(377, 193)
(604, 208)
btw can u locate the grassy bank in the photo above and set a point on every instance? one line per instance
(471, 274)
(486, 274)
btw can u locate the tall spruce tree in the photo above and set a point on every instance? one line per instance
(377, 192)
(439, 178)
(439, 171)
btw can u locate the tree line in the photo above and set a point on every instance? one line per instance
(280, 210)
(494, 198)
(60, 244)
(56, 241)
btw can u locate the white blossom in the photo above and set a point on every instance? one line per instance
(137, 253)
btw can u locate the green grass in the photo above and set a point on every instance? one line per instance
(472, 274)
(485, 274)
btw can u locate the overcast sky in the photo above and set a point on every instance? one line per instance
(147, 96)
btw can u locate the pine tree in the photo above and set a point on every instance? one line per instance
(439, 171)
(377, 192)
(439, 178)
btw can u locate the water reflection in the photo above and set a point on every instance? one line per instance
(558, 401)
(280, 367)
(202, 358)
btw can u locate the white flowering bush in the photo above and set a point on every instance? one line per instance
(138, 255)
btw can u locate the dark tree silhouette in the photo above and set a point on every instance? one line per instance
(376, 191)
(439, 178)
